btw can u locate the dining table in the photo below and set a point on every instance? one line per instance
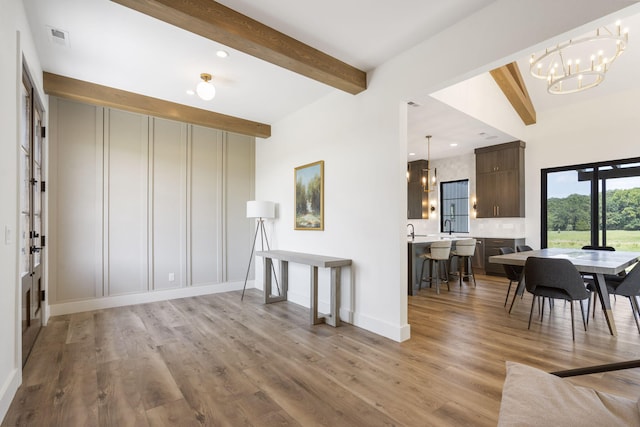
(587, 261)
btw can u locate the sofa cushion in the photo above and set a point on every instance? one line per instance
(531, 397)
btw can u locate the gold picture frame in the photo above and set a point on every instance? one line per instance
(309, 196)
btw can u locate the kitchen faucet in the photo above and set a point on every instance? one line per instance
(450, 225)
(413, 231)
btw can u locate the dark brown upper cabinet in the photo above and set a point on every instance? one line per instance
(500, 180)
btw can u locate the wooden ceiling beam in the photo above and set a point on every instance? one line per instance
(91, 93)
(511, 83)
(217, 22)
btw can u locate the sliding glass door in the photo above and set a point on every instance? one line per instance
(592, 204)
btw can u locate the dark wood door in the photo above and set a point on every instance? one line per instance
(31, 216)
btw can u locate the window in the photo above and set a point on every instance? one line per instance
(454, 206)
(594, 204)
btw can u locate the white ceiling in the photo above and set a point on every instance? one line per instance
(453, 133)
(118, 47)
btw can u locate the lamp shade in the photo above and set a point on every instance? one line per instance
(260, 209)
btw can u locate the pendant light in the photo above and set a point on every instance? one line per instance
(428, 181)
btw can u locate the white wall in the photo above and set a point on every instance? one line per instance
(15, 41)
(362, 141)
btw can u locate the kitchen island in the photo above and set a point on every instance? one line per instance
(419, 245)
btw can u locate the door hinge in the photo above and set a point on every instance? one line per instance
(33, 181)
(43, 241)
(43, 132)
(43, 186)
(43, 295)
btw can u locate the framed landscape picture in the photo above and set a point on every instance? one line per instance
(309, 196)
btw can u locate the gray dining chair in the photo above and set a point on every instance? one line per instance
(590, 281)
(555, 278)
(628, 286)
(513, 272)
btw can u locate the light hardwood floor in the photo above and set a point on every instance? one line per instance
(215, 360)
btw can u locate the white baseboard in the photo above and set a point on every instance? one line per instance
(299, 299)
(8, 391)
(142, 298)
(394, 332)
(346, 315)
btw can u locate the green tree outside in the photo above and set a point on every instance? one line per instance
(569, 220)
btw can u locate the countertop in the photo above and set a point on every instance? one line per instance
(430, 238)
(435, 238)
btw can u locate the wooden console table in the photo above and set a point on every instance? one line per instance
(315, 261)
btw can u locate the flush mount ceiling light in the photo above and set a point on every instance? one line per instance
(580, 64)
(205, 89)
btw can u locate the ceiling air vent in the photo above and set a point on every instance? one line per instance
(58, 36)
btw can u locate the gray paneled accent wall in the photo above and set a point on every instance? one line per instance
(206, 198)
(168, 192)
(139, 204)
(126, 152)
(75, 202)
(236, 248)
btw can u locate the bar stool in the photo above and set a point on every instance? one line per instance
(439, 255)
(464, 251)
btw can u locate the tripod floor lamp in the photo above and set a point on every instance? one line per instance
(262, 211)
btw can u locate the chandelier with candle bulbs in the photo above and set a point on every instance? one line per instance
(582, 63)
